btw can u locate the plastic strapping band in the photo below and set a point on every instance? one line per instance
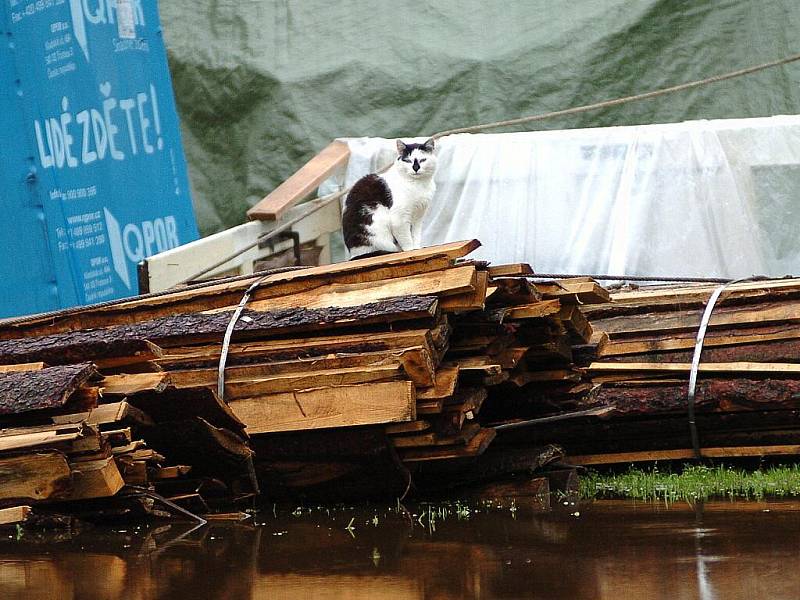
(226, 341)
(698, 350)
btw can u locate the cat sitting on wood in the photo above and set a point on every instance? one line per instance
(383, 213)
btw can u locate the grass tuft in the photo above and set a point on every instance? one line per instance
(693, 483)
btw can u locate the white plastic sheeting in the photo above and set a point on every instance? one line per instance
(700, 198)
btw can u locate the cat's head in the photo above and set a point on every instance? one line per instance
(416, 160)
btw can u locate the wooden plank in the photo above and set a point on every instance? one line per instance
(687, 341)
(25, 391)
(407, 428)
(445, 386)
(534, 310)
(14, 515)
(313, 379)
(582, 290)
(739, 368)
(509, 270)
(449, 282)
(416, 362)
(344, 406)
(134, 383)
(682, 454)
(476, 446)
(106, 414)
(204, 297)
(689, 320)
(34, 477)
(83, 439)
(33, 366)
(173, 472)
(196, 328)
(297, 348)
(433, 438)
(302, 183)
(95, 479)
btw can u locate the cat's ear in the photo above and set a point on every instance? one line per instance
(401, 147)
(428, 145)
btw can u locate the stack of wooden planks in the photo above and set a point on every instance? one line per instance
(392, 356)
(636, 371)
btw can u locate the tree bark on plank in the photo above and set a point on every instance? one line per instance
(37, 390)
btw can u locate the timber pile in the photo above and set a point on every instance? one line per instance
(390, 357)
(637, 366)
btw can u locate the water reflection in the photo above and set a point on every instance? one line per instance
(609, 551)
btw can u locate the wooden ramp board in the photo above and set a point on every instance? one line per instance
(229, 293)
(688, 453)
(344, 406)
(302, 183)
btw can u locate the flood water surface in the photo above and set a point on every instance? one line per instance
(601, 550)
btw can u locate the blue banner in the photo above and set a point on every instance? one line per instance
(93, 173)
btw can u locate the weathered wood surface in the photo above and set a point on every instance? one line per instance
(228, 293)
(36, 390)
(415, 361)
(199, 327)
(86, 346)
(261, 351)
(343, 406)
(724, 337)
(710, 395)
(448, 282)
(654, 299)
(766, 313)
(95, 479)
(475, 447)
(34, 477)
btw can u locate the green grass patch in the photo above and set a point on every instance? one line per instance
(693, 483)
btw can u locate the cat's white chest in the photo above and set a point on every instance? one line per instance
(410, 197)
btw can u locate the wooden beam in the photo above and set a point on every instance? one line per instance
(319, 408)
(228, 293)
(682, 454)
(35, 477)
(738, 368)
(14, 515)
(448, 282)
(302, 183)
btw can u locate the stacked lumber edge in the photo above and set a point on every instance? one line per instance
(417, 371)
(634, 376)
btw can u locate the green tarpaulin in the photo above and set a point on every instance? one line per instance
(262, 85)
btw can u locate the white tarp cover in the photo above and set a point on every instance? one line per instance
(700, 198)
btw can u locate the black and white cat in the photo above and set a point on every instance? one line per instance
(383, 213)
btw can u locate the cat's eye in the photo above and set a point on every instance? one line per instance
(408, 160)
(422, 160)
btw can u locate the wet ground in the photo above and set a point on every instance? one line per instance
(602, 550)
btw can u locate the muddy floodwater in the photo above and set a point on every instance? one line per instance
(597, 550)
